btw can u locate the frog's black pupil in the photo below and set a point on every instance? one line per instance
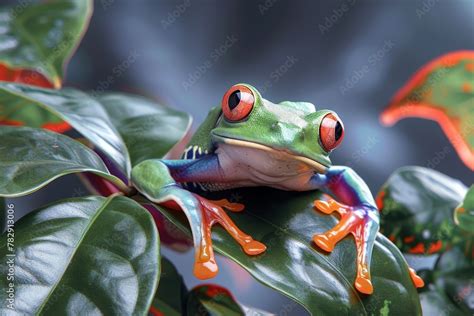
(338, 131)
(234, 99)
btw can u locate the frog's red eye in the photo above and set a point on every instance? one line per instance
(237, 103)
(331, 132)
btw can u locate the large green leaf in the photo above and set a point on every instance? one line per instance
(451, 288)
(37, 40)
(82, 111)
(417, 206)
(149, 130)
(321, 282)
(30, 158)
(83, 256)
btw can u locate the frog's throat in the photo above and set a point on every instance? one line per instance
(318, 167)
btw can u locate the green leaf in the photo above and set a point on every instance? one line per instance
(31, 158)
(82, 111)
(452, 288)
(212, 300)
(83, 256)
(417, 207)
(149, 129)
(442, 90)
(41, 38)
(437, 303)
(323, 283)
(464, 213)
(171, 294)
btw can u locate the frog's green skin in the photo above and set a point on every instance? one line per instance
(275, 145)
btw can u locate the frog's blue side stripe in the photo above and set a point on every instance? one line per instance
(194, 152)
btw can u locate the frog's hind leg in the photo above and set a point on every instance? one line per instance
(364, 236)
(153, 179)
(202, 214)
(214, 213)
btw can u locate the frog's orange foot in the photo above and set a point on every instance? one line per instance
(362, 222)
(417, 280)
(212, 213)
(206, 269)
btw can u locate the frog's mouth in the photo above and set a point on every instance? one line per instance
(316, 166)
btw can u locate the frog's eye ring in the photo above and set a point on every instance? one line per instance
(331, 131)
(237, 103)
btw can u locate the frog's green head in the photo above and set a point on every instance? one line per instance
(295, 128)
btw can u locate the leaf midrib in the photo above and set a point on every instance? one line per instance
(86, 230)
(34, 43)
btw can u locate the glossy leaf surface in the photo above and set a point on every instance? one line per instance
(31, 158)
(38, 39)
(323, 283)
(417, 206)
(80, 110)
(148, 129)
(442, 90)
(90, 255)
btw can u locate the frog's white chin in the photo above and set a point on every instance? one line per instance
(316, 166)
(251, 164)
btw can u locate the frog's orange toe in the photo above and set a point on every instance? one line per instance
(324, 242)
(364, 285)
(233, 207)
(254, 248)
(323, 206)
(417, 280)
(205, 270)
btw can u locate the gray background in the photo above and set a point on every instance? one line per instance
(187, 53)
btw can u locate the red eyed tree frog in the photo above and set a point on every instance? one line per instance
(250, 141)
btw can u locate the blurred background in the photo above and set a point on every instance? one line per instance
(349, 56)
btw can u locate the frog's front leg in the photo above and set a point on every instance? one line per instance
(358, 215)
(158, 181)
